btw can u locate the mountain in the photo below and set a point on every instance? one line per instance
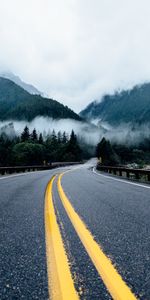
(28, 87)
(18, 104)
(131, 106)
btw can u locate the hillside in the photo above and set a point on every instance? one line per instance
(18, 104)
(128, 106)
(28, 87)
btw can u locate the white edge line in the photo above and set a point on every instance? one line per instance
(121, 180)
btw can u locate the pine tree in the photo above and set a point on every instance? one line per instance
(25, 136)
(106, 154)
(64, 138)
(53, 138)
(59, 137)
(34, 136)
(53, 142)
(73, 138)
(40, 138)
(73, 148)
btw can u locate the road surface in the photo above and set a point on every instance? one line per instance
(81, 235)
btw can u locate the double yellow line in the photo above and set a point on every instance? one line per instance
(61, 285)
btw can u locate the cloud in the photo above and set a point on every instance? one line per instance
(88, 133)
(124, 134)
(73, 50)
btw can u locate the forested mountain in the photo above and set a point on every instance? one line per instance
(28, 87)
(124, 107)
(18, 104)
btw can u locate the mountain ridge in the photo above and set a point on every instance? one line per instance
(17, 104)
(122, 107)
(16, 79)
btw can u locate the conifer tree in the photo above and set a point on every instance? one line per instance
(106, 153)
(73, 147)
(25, 135)
(40, 138)
(64, 138)
(34, 136)
(59, 137)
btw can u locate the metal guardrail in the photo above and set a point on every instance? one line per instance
(138, 174)
(22, 169)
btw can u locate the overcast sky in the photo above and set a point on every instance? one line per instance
(76, 50)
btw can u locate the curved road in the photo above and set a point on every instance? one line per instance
(116, 213)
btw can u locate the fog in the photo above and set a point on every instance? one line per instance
(87, 132)
(127, 134)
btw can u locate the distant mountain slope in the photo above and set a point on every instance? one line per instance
(18, 104)
(28, 87)
(127, 106)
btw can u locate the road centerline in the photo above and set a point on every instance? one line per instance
(60, 282)
(112, 279)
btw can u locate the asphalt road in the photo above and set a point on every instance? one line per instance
(23, 272)
(116, 213)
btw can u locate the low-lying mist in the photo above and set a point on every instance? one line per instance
(127, 134)
(88, 132)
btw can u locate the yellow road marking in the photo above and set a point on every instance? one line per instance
(111, 278)
(60, 282)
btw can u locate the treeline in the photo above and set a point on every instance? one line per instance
(33, 149)
(113, 154)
